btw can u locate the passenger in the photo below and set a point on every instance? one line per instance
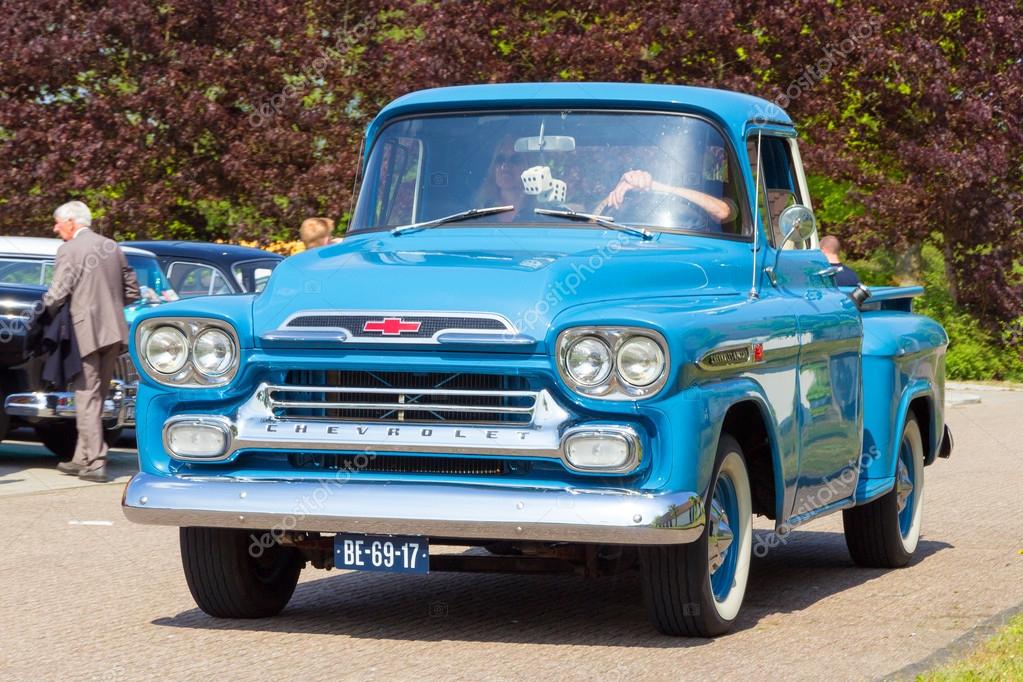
(846, 276)
(317, 232)
(503, 184)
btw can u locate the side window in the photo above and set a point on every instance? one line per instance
(779, 188)
(24, 272)
(252, 276)
(196, 279)
(398, 182)
(219, 284)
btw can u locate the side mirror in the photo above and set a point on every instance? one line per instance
(797, 223)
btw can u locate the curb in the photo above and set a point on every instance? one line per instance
(966, 386)
(959, 647)
(954, 398)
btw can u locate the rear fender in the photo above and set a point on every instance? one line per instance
(877, 473)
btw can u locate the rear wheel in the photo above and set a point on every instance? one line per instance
(231, 573)
(697, 589)
(884, 533)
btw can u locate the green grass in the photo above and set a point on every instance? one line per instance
(1000, 658)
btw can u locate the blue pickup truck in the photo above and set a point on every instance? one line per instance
(574, 327)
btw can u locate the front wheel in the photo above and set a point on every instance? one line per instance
(696, 589)
(234, 573)
(884, 533)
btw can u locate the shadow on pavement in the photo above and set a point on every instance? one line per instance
(25, 461)
(808, 567)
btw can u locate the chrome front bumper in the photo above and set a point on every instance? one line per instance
(119, 408)
(443, 510)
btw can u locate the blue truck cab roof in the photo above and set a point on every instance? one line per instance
(732, 110)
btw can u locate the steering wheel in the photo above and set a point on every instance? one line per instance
(658, 209)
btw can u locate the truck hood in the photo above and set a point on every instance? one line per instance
(527, 276)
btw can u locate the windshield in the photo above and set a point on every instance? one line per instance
(659, 171)
(150, 275)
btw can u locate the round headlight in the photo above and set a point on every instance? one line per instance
(166, 350)
(640, 361)
(588, 361)
(213, 352)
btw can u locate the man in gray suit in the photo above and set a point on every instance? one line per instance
(93, 273)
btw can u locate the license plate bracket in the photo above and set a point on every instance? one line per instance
(384, 553)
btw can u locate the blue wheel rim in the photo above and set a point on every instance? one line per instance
(905, 486)
(723, 579)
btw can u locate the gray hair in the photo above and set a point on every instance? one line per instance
(75, 211)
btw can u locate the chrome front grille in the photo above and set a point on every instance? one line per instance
(406, 464)
(125, 375)
(419, 397)
(125, 370)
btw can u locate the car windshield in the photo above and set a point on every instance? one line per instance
(659, 171)
(148, 272)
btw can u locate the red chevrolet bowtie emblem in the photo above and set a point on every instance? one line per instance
(391, 326)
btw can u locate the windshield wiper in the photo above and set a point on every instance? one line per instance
(602, 220)
(453, 218)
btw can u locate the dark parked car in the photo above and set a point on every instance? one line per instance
(203, 269)
(26, 269)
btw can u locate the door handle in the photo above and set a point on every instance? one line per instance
(830, 271)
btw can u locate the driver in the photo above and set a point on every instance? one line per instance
(720, 209)
(503, 184)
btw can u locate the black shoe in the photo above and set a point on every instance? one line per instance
(69, 468)
(96, 475)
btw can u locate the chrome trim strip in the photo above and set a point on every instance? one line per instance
(502, 338)
(403, 407)
(400, 391)
(468, 511)
(273, 401)
(509, 335)
(305, 338)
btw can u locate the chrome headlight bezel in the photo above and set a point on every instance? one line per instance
(606, 368)
(230, 356)
(189, 376)
(614, 386)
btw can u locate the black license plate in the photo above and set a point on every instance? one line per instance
(389, 553)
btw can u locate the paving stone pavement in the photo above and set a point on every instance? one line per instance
(87, 595)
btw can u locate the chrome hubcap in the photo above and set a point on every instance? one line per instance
(719, 536)
(903, 485)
